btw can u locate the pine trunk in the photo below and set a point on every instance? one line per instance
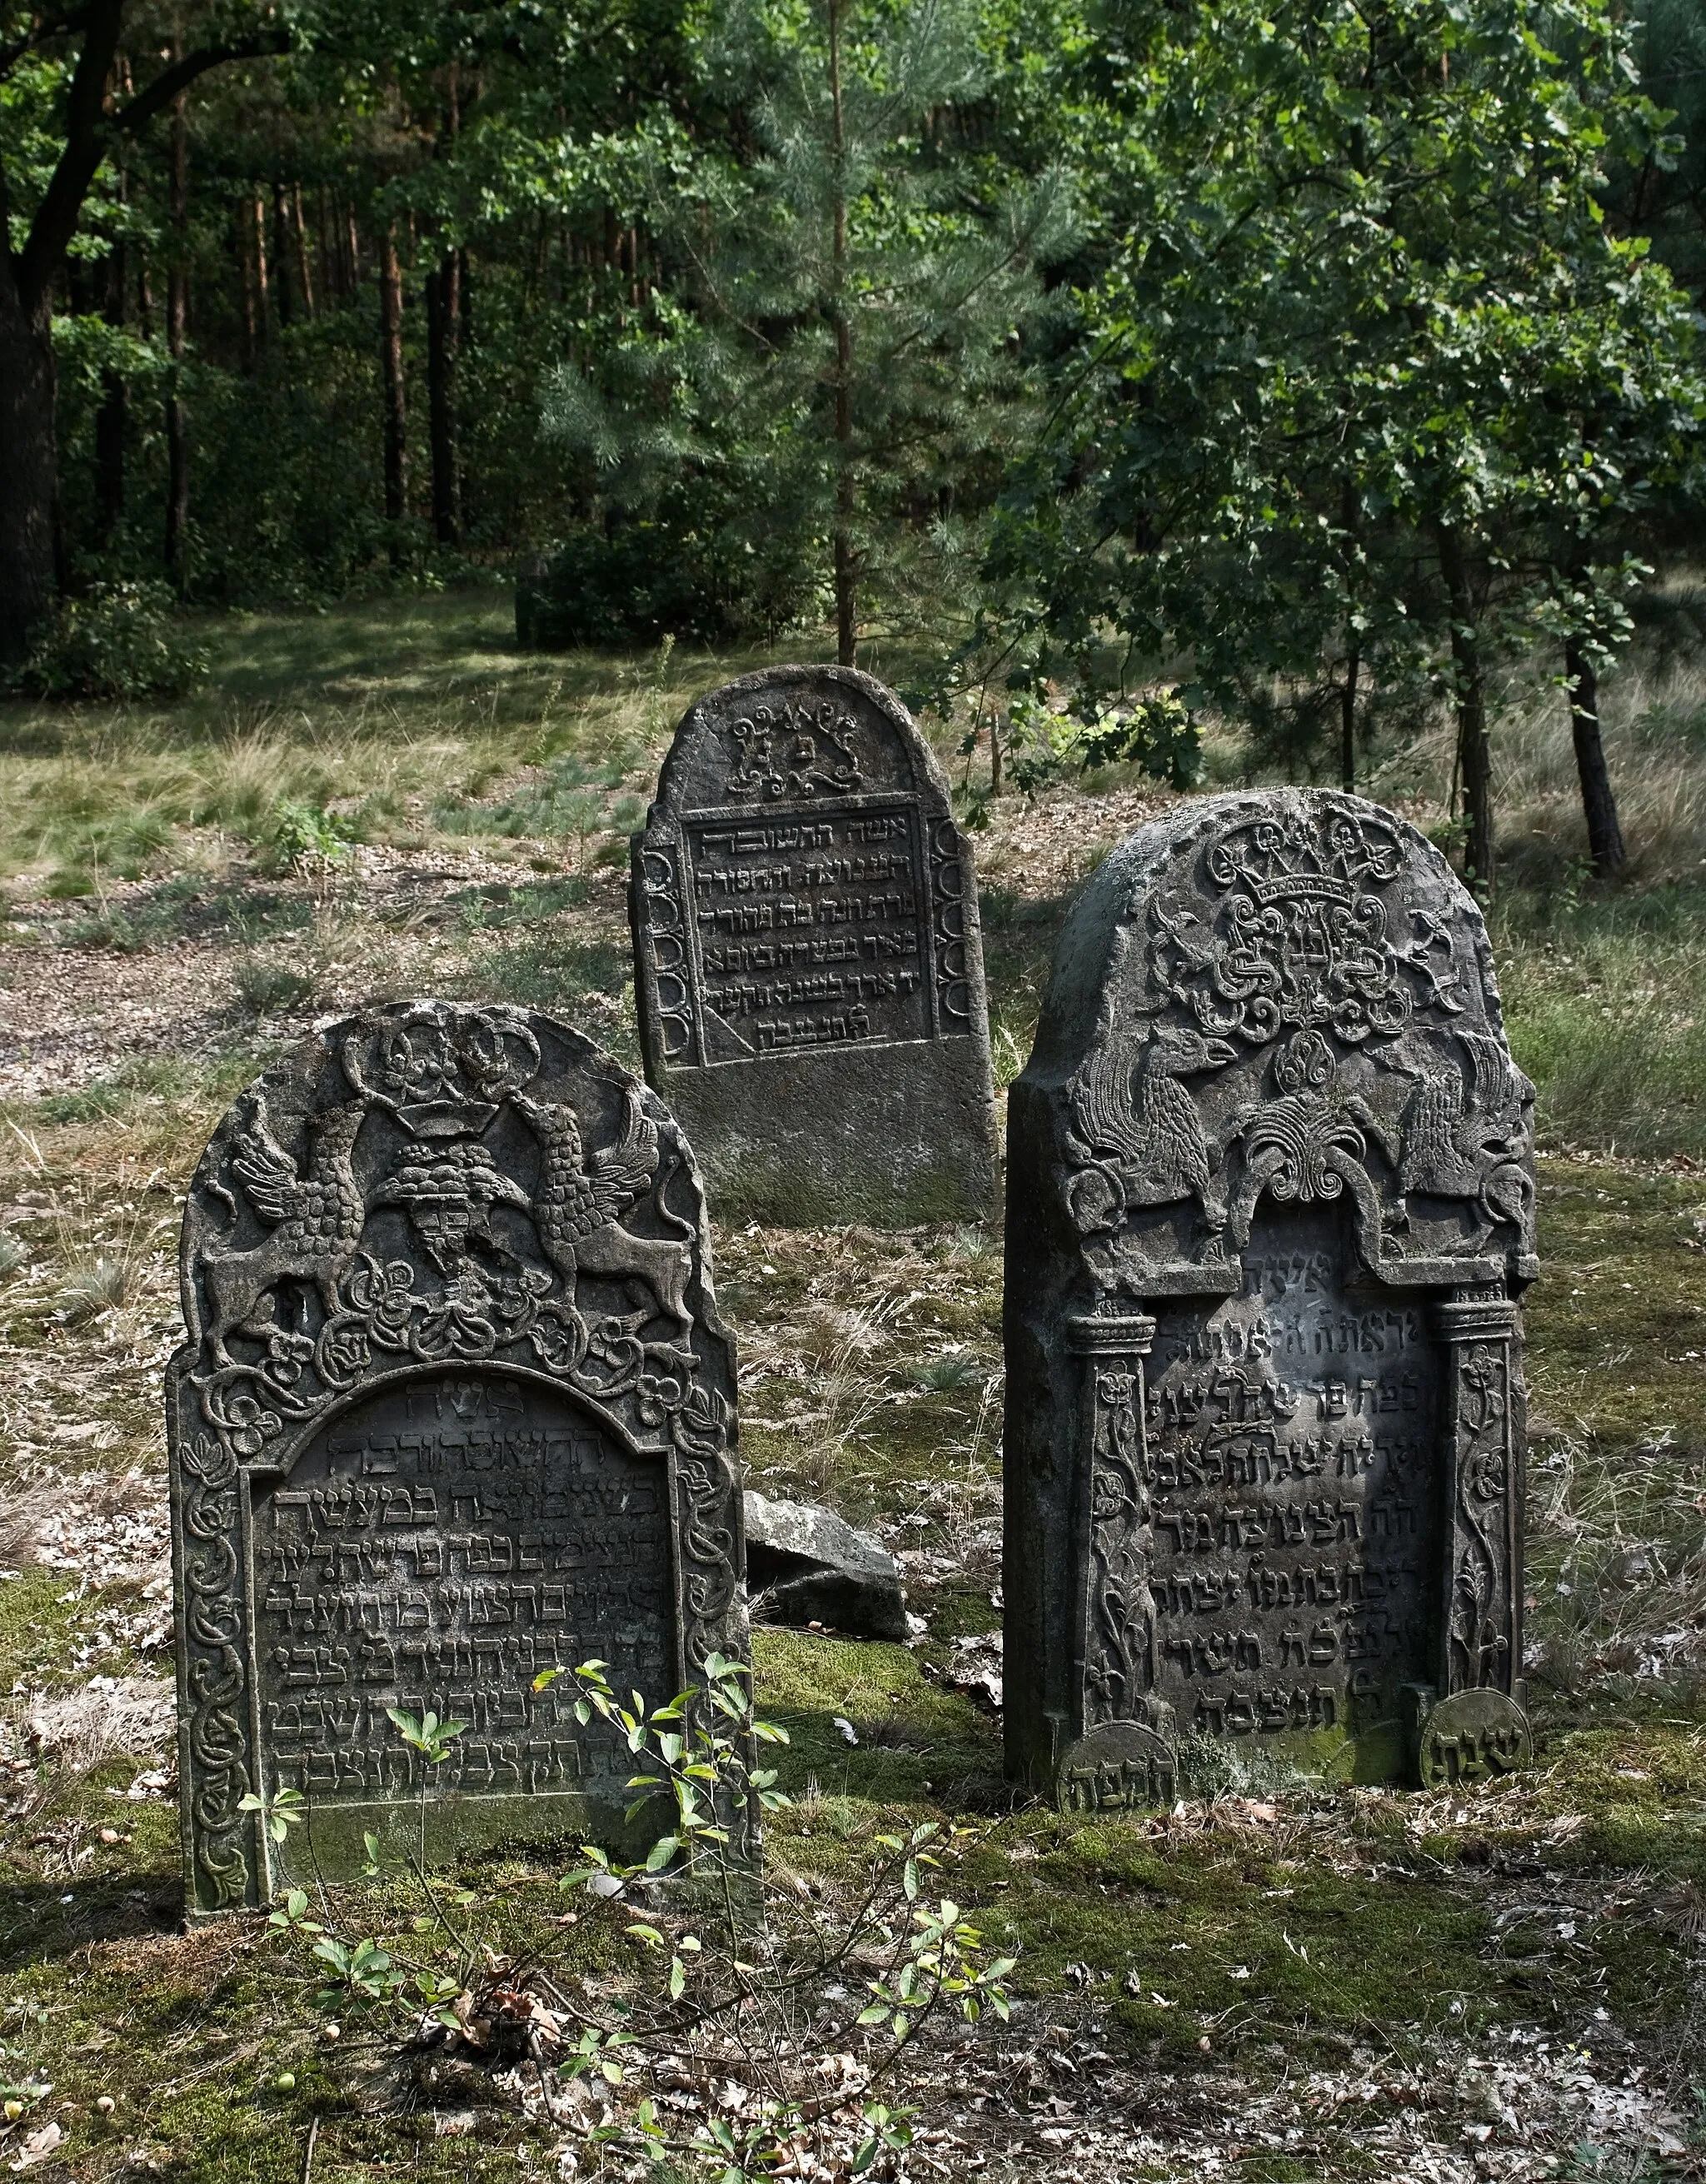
(845, 562)
(280, 256)
(299, 228)
(396, 399)
(1475, 748)
(112, 419)
(245, 270)
(177, 313)
(28, 462)
(443, 349)
(1598, 803)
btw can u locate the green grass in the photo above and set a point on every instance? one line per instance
(1603, 995)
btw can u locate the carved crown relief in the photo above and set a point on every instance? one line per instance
(1301, 1010)
(364, 1248)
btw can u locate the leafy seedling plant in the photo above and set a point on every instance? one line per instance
(725, 2012)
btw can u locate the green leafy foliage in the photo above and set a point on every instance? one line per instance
(729, 1964)
(305, 835)
(122, 640)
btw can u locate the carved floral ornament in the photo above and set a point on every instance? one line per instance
(1295, 1016)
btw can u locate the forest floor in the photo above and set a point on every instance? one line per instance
(1278, 1982)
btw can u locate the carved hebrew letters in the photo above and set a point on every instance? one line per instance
(1271, 1209)
(809, 969)
(454, 1409)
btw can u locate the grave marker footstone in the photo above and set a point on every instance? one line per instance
(807, 957)
(456, 1407)
(1270, 1213)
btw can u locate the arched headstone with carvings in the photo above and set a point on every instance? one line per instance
(807, 957)
(1270, 1213)
(456, 1407)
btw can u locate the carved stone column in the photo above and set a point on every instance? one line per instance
(1481, 1618)
(1119, 1749)
(1478, 1728)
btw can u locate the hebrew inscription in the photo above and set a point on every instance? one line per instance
(454, 1408)
(808, 962)
(1293, 1436)
(810, 935)
(1271, 1215)
(439, 1546)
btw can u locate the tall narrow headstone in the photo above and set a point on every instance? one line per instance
(455, 1408)
(1270, 1213)
(807, 957)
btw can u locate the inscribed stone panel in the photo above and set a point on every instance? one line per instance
(808, 960)
(455, 1408)
(1271, 1209)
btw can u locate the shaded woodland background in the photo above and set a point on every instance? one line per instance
(1309, 367)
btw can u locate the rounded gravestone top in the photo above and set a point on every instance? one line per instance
(795, 736)
(1284, 995)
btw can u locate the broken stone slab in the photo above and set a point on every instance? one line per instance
(811, 1566)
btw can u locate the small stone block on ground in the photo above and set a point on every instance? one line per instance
(805, 1565)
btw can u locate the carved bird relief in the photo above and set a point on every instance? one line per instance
(1141, 1136)
(578, 1205)
(1471, 1147)
(317, 1218)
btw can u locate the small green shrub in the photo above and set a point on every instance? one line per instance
(307, 834)
(122, 640)
(264, 984)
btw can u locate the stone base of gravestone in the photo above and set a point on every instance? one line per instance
(1270, 1216)
(808, 961)
(806, 1142)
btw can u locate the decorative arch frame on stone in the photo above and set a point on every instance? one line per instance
(1270, 1216)
(456, 1407)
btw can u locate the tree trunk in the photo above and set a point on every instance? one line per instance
(29, 463)
(1347, 717)
(245, 271)
(443, 349)
(396, 403)
(112, 419)
(846, 566)
(280, 256)
(261, 285)
(1353, 655)
(299, 228)
(1598, 803)
(1475, 748)
(178, 312)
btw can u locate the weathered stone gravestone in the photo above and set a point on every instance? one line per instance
(1270, 1209)
(456, 1407)
(807, 958)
